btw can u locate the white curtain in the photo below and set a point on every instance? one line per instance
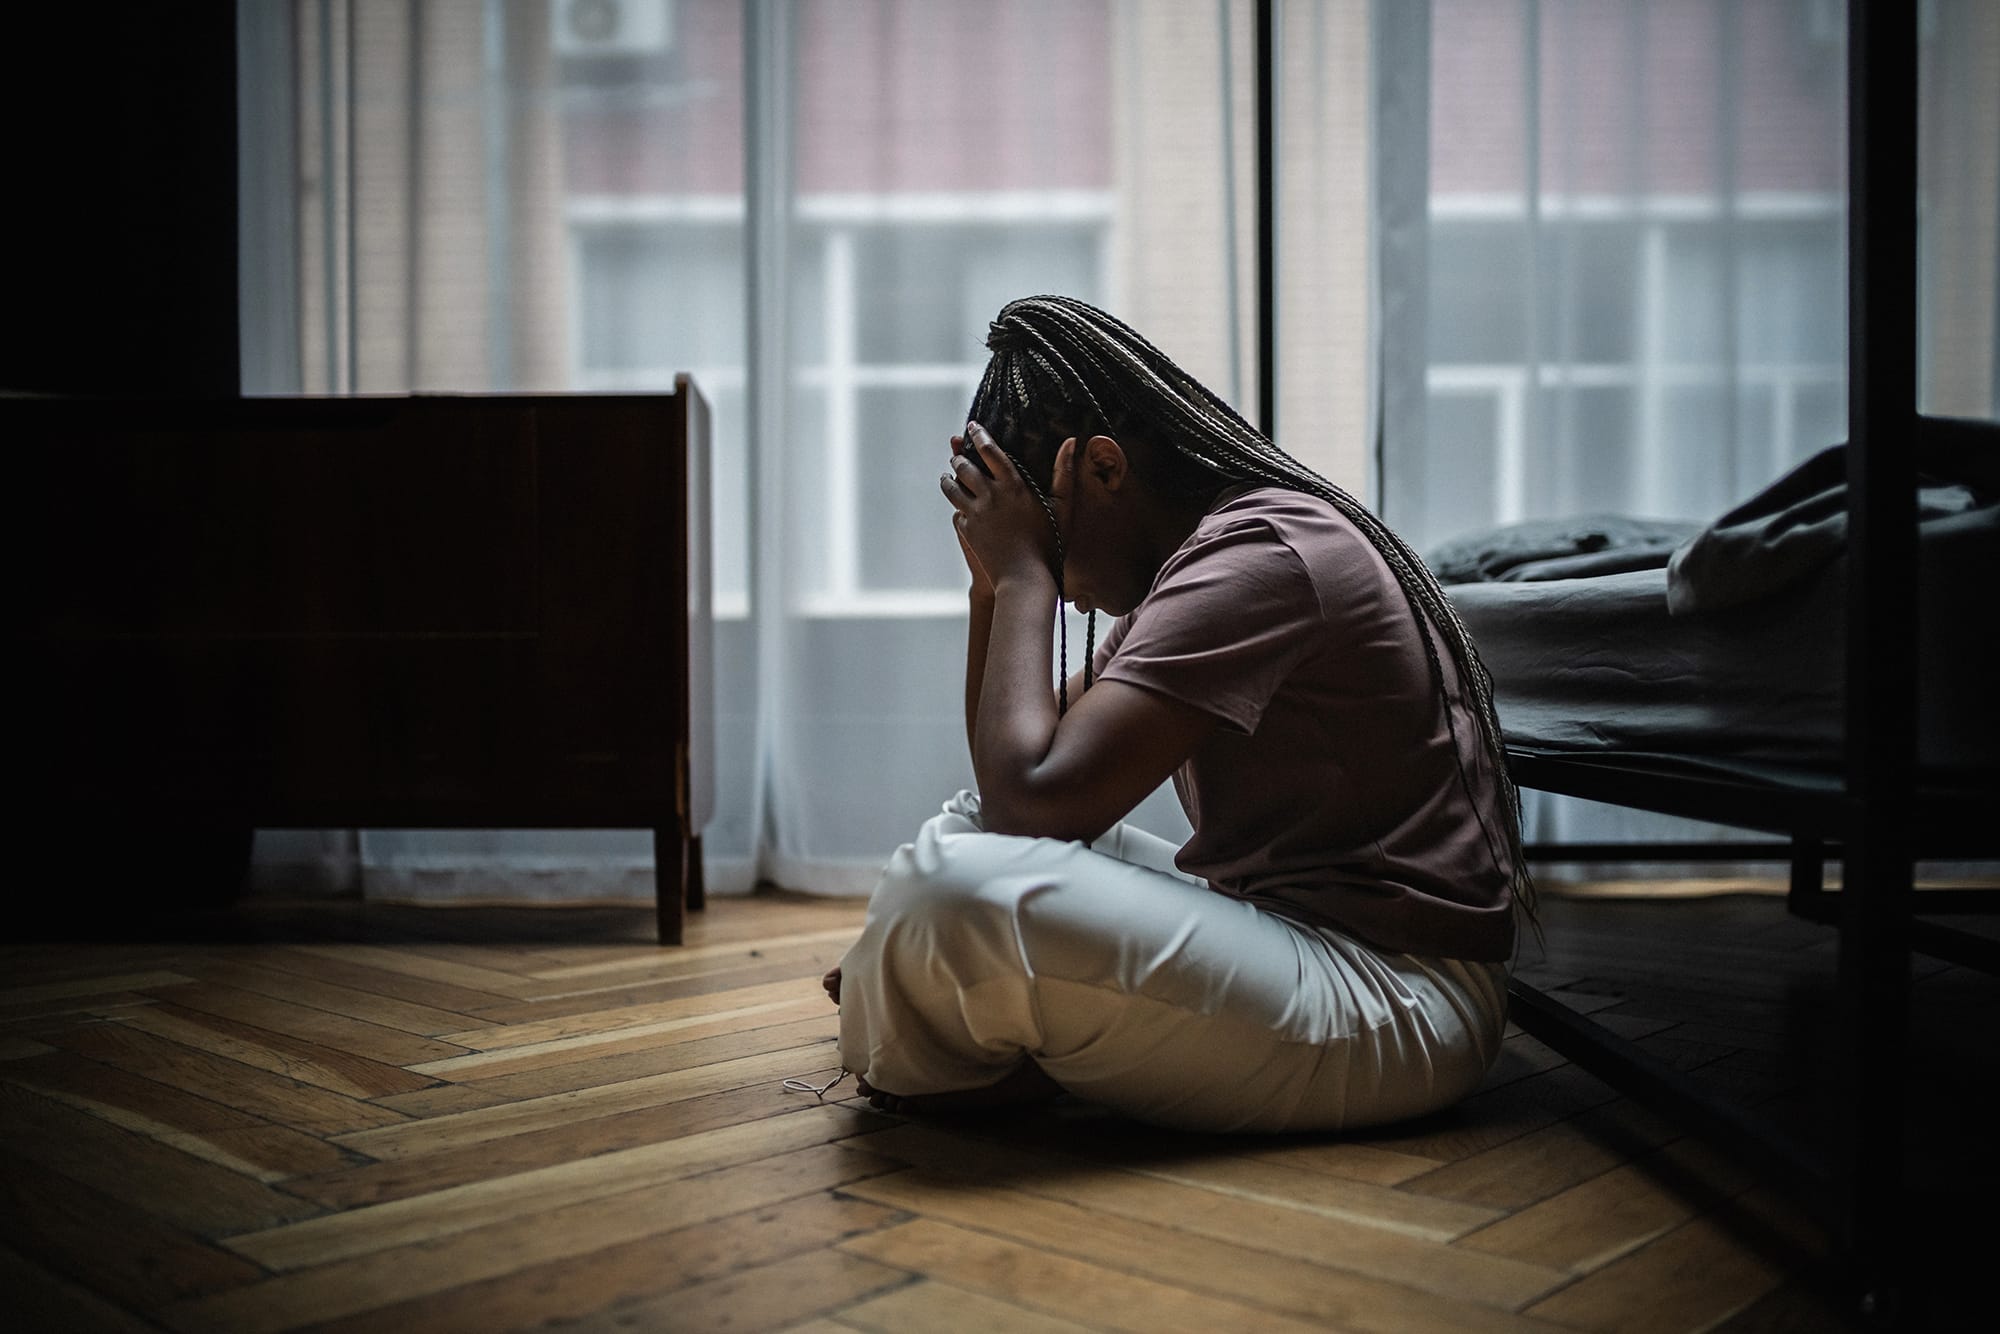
(1617, 233)
(814, 206)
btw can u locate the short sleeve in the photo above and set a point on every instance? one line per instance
(1108, 645)
(1231, 615)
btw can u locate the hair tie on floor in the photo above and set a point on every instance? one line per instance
(817, 1090)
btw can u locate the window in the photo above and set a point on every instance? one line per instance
(1566, 372)
(890, 296)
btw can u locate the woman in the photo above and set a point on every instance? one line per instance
(1329, 948)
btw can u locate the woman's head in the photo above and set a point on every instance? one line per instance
(1062, 369)
(1145, 464)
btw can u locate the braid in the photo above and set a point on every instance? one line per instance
(1025, 385)
(1054, 357)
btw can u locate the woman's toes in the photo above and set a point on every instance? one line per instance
(880, 1101)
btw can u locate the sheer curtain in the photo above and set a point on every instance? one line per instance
(1636, 235)
(1630, 240)
(814, 206)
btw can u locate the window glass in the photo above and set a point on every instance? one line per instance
(1794, 279)
(1691, 313)
(1655, 337)
(903, 447)
(661, 298)
(808, 295)
(1819, 414)
(1581, 464)
(1591, 293)
(1789, 283)
(1478, 291)
(1463, 428)
(925, 293)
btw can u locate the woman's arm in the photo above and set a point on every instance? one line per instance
(980, 627)
(1072, 777)
(978, 635)
(979, 632)
(1016, 720)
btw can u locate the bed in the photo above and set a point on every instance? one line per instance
(1724, 642)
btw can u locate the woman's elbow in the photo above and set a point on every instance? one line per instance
(1028, 815)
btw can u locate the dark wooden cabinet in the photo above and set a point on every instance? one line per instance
(420, 612)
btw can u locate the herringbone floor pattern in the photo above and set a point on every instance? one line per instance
(336, 1118)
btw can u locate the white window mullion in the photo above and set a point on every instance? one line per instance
(1653, 461)
(1784, 421)
(842, 417)
(1510, 467)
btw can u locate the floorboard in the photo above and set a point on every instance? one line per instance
(346, 1117)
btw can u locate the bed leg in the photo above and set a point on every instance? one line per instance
(1807, 895)
(1873, 977)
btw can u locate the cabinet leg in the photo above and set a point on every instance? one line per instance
(670, 880)
(697, 885)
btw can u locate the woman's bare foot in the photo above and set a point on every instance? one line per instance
(1026, 1083)
(832, 984)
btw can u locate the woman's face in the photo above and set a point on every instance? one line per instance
(1107, 563)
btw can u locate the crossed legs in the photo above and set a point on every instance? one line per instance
(1027, 1083)
(993, 970)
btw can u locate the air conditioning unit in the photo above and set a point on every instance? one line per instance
(612, 27)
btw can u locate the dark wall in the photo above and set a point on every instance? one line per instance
(118, 210)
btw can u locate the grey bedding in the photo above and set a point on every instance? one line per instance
(1749, 664)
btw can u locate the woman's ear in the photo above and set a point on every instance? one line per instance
(1105, 461)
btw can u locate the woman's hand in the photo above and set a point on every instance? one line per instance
(982, 587)
(1002, 525)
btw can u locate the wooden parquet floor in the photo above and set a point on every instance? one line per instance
(346, 1119)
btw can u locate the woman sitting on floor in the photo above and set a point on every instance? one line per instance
(1329, 949)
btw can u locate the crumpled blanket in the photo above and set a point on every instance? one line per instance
(1534, 550)
(1798, 524)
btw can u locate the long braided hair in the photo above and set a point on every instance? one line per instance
(1061, 367)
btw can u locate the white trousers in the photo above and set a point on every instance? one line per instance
(1138, 987)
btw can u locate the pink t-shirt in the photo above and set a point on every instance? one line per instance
(1329, 792)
